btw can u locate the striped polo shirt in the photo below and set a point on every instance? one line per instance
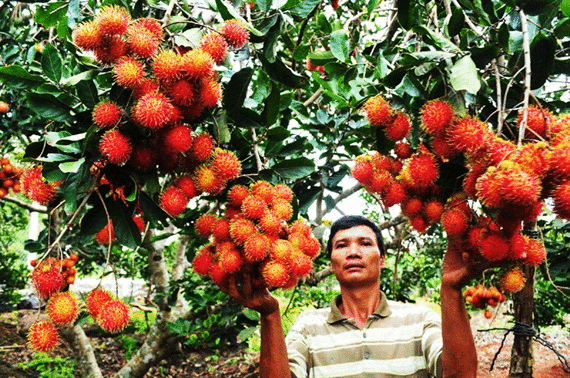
(398, 340)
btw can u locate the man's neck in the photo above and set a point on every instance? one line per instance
(359, 303)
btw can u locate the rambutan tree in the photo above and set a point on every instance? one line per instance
(221, 124)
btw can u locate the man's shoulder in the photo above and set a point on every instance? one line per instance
(314, 316)
(402, 309)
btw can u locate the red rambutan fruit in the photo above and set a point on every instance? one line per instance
(535, 253)
(300, 227)
(178, 139)
(561, 196)
(113, 20)
(198, 63)
(153, 111)
(300, 264)
(470, 180)
(143, 158)
(469, 135)
(87, 35)
(499, 149)
(395, 194)
(423, 170)
(380, 162)
(235, 33)
(538, 122)
(241, 229)
(473, 236)
(111, 50)
(182, 92)
(263, 190)
(107, 234)
(107, 114)
(532, 158)
(145, 86)
(518, 243)
(29, 177)
(253, 207)
(494, 246)
(297, 240)
(203, 260)
(42, 192)
(115, 147)
(284, 192)
(43, 336)
(363, 170)
(230, 261)
(167, 66)
(419, 223)
(96, 300)
(399, 127)
(378, 111)
(194, 110)
(433, 210)
(488, 187)
(270, 224)
(187, 185)
(512, 281)
(173, 201)
(412, 207)
(128, 72)
(202, 147)
(454, 222)
(114, 316)
(256, 247)
(436, 116)
(63, 308)
(221, 230)
(379, 182)
(281, 250)
(237, 194)
(311, 247)
(232, 211)
(217, 274)
(215, 45)
(519, 187)
(139, 222)
(226, 164)
(282, 209)
(47, 279)
(403, 150)
(559, 162)
(207, 180)
(275, 273)
(142, 42)
(204, 224)
(442, 148)
(152, 25)
(210, 92)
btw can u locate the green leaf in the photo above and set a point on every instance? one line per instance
(372, 5)
(85, 75)
(17, 77)
(125, 229)
(236, 90)
(264, 5)
(72, 166)
(542, 53)
(51, 157)
(51, 15)
(280, 72)
(437, 38)
(320, 58)
(154, 214)
(456, 22)
(339, 45)
(189, 38)
(87, 92)
(294, 169)
(304, 8)
(463, 75)
(221, 130)
(272, 104)
(246, 333)
(49, 107)
(51, 63)
(565, 7)
(228, 12)
(404, 13)
(177, 23)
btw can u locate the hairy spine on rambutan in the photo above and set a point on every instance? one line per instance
(284, 192)
(520, 188)
(153, 111)
(204, 224)
(111, 50)
(241, 229)
(379, 182)
(151, 24)
(47, 279)
(535, 253)
(399, 127)
(207, 180)
(221, 230)
(230, 261)
(182, 92)
(494, 246)
(263, 190)
(168, 66)
(116, 147)
(423, 170)
(403, 150)
(488, 187)
(128, 72)
(253, 207)
(436, 116)
(43, 336)
(561, 196)
(63, 308)
(300, 265)
(433, 210)
(87, 35)
(275, 273)
(311, 247)
(512, 281)
(198, 64)
(282, 209)
(215, 45)
(203, 260)
(226, 164)
(237, 194)
(210, 92)
(256, 248)
(363, 170)
(114, 316)
(469, 135)
(395, 194)
(96, 300)
(142, 42)
(107, 114)
(113, 19)
(235, 33)
(178, 139)
(173, 201)
(378, 111)
(202, 147)
(107, 234)
(419, 223)
(454, 222)
(538, 122)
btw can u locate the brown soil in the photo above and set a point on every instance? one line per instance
(202, 363)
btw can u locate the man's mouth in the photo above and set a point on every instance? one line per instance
(353, 265)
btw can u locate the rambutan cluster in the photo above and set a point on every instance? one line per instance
(481, 296)
(9, 177)
(34, 186)
(254, 236)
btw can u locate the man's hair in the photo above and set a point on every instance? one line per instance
(349, 221)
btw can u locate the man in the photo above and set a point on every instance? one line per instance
(361, 335)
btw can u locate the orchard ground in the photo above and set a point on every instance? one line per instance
(201, 362)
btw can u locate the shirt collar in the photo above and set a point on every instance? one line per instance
(382, 311)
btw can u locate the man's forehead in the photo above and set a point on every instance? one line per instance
(360, 231)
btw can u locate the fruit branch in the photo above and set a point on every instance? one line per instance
(255, 141)
(79, 342)
(31, 207)
(527, 76)
(345, 194)
(499, 97)
(313, 98)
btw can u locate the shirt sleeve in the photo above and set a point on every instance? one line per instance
(298, 350)
(432, 344)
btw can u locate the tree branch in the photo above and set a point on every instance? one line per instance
(34, 207)
(86, 360)
(527, 76)
(347, 193)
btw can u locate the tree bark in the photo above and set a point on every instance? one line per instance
(86, 362)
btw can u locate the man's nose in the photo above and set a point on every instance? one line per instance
(354, 249)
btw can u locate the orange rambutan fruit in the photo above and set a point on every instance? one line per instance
(512, 281)
(473, 236)
(419, 223)
(538, 122)
(494, 246)
(215, 45)
(423, 170)
(235, 33)
(107, 234)
(297, 240)
(442, 148)
(237, 194)
(378, 111)
(281, 250)
(518, 243)
(106, 114)
(63, 308)
(210, 92)
(300, 264)
(283, 191)
(187, 185)
(263, 190)
(470, 180)
(532, 158)
(150, 24)
(96, 300)
(143, 158)
(205, 224)
(253, 207)
(182, 92)
(379, 182)
(142, 42)
(275, 273)
(113, 19)
(412, 206)
(379, 162)
(282, 209)
(300, 227)
(395, 194)
(398, 127)
(43, 336)
(221, 230)
(241, 229)
(433, 210)
(488, 187)
(226, 164)
(499, 149)
(561, 196)
(145, 86)
(47, 278)
(87, 35)
(436, 116)
(217, 274)
(269, 223)
(203, 260)
(559, 162)
(469, 135)
(519, 187)
(311, 247)
(178, 139)
(114, 316)
(198, 63)
(256, 247)
(454, 222)
(115, 147)
(207, 180)
(363, 170)
(128, 72)
(403, 150)
(223, 246)
(173, 201)
(111, 50)
(168, 66)
(232, 211)
(29, 177)
(535, 253)
(42, 192)
(230, 261)
(202, 147)
(153, 111)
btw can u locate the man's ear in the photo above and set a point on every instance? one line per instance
(382, 261)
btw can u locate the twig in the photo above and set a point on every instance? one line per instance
(168, 12)
(256, 150)
(499, 98)
(527, 76)
(347, 193)
(31, 207)
(313, 98)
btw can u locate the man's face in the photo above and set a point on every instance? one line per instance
(355, 257)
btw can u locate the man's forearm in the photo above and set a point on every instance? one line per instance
(273, 361)
(459, 352)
